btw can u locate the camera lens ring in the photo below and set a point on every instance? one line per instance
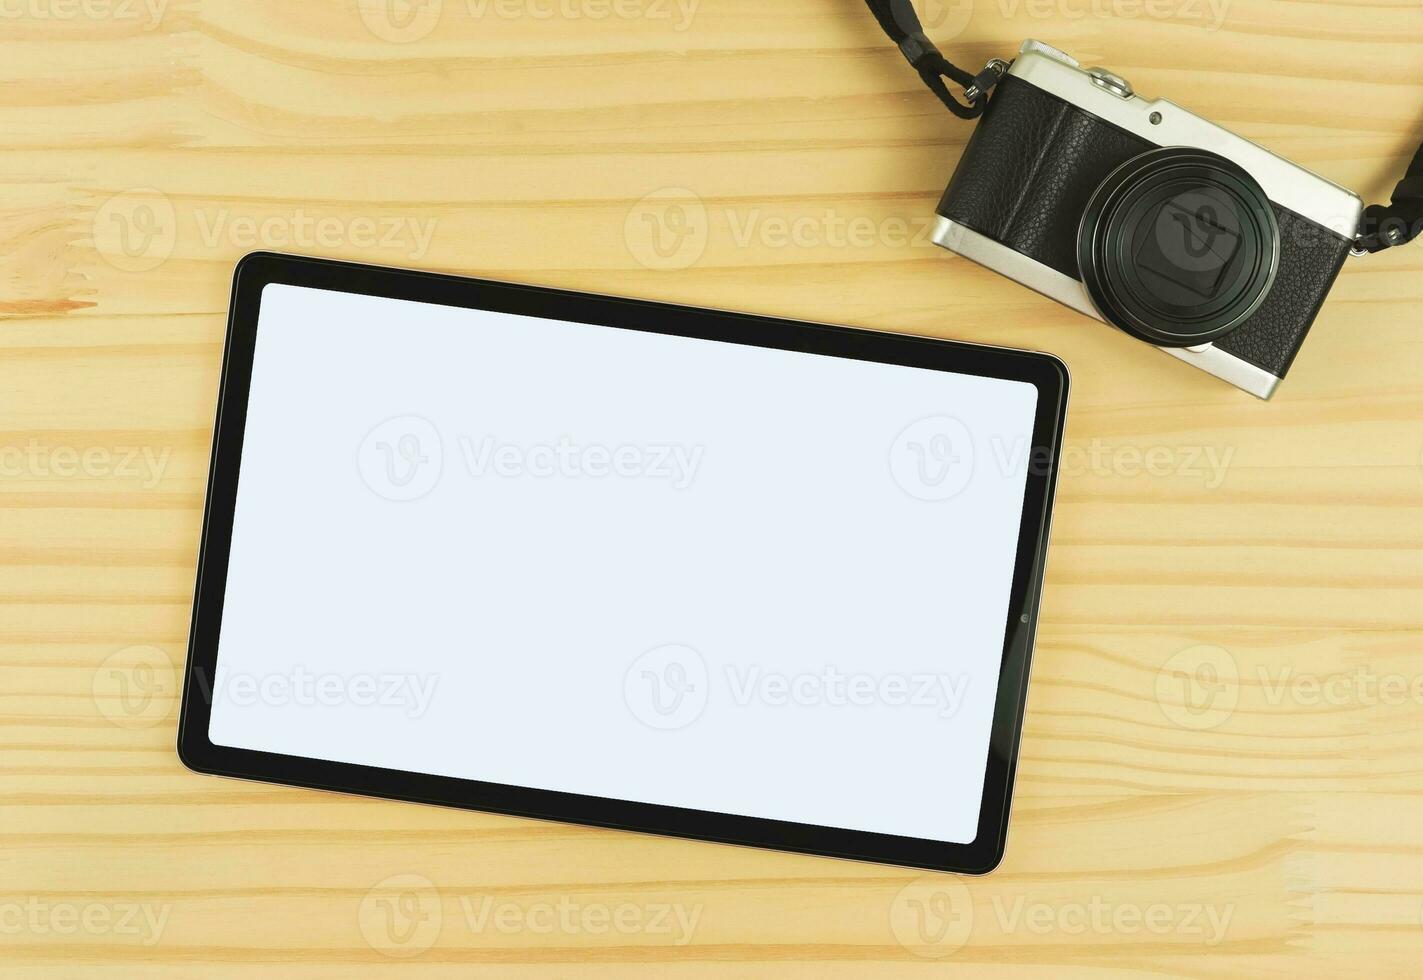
(1178, 246)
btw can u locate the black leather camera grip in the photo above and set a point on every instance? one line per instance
(1030, 168)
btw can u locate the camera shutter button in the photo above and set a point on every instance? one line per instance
(1113, 83)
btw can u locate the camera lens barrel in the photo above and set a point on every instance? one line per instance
(1178, 246)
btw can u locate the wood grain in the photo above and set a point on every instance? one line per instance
(1274, 831)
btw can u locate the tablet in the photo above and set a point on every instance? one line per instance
(620, 563)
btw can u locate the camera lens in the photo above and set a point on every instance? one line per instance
(1178, 246)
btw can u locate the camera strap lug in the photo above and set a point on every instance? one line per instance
(899, 21)
(986, 79)
(1398, 222)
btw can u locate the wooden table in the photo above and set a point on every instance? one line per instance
(1220, 769)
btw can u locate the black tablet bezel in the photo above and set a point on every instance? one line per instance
(1044, 371)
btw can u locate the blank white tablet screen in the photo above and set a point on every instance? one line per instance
(621, 564)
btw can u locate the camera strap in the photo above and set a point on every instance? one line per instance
(901, 23)
(1398, 222)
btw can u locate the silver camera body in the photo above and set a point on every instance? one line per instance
(1022, 188)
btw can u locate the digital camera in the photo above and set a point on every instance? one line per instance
(1148, 217)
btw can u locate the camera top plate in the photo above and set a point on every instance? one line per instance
(1164, 123)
